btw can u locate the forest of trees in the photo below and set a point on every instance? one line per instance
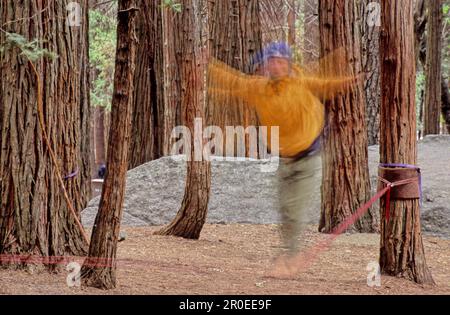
(107, 86)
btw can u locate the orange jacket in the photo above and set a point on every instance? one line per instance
(293, 103)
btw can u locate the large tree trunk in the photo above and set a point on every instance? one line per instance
(371, 66)
(345, 185)
(37, 215)
(433, 66)
(100, 267)
(401, 249)
(191, 217)
(148, 104)
(235, 36)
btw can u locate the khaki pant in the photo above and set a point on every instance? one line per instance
(297, 182)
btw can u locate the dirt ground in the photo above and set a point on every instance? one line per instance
(235, 259)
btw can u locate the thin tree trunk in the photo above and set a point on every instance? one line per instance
(312, 38)
(85, 111)
(191, 217)
(401, 247)
(371, 66)
(92, 148)
(446, 103)
(291, 21)
(170, 117)
(421, 107)
(106, 128)
(420, 25)
(432, 110)
(100, 137)
(100, 267)
(346, 184)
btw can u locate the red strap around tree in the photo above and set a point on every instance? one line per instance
(388, 192)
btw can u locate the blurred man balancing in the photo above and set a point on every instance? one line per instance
(285, 96)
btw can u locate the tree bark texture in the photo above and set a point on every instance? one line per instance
(100, 135)
(191, 217)
(345, 183)
(35, 217)
(371, 66)
(401, 247)
(420, 25)
(432, 111)
(235, 36)
(148, 138)
(291, 22)
(100, 267)
(171, 116)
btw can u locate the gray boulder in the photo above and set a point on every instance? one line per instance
(242, 193)
(437, 222)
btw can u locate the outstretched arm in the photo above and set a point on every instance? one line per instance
(327, 88)
(226, 82)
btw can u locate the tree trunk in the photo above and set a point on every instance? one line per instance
(371, 66)
(148, 105)
(42, 191)
(235, 36)
(421, 107)
(100, 137)
(191, 217)
(345, 183)
(420, 25)
(291, 21)
(401, 248)
(446, 103)
(100, 267)
(311, 24)
(106, 128)
(92, 148)
(432, 110)
(170, 117)
(85, 111)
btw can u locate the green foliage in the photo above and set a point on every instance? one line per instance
(102, 50)
(32, 50)
(172, 4)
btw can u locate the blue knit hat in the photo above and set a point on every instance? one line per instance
(274, 49)
(278, 50)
